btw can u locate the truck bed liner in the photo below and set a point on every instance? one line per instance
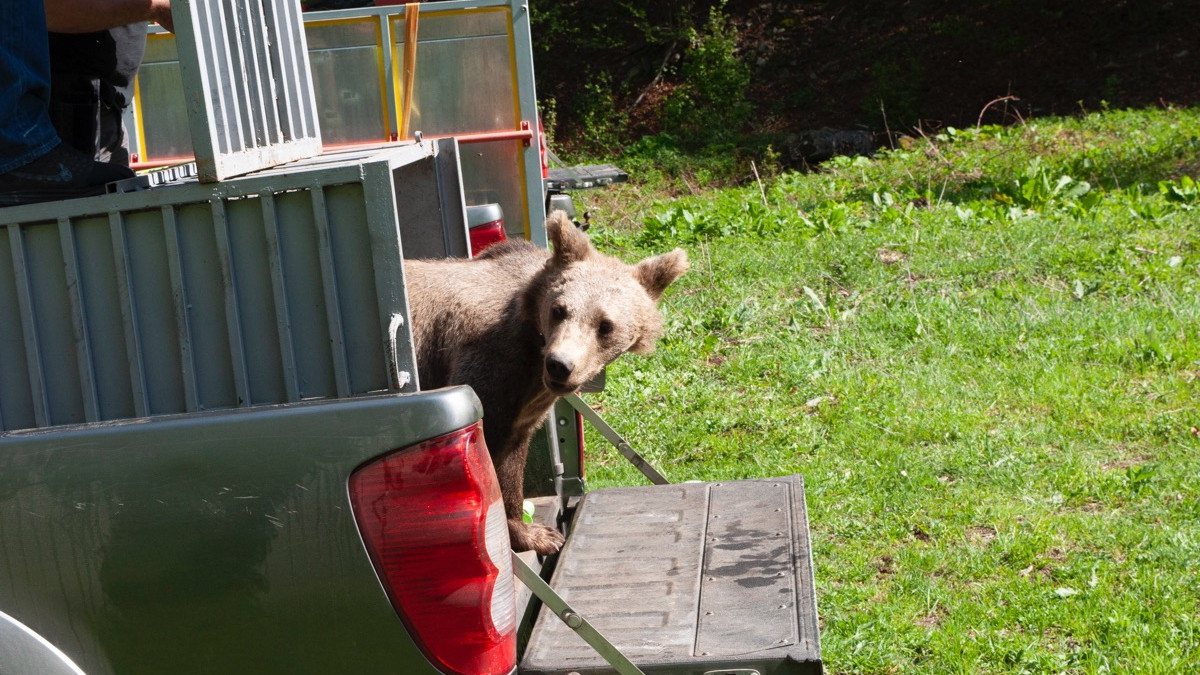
(687, 578)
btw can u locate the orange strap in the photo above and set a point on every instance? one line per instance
(410, 65)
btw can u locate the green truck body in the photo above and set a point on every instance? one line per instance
(215, 542)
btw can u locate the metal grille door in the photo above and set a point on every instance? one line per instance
(248, 85)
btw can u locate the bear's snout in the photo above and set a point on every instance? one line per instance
(559, 368)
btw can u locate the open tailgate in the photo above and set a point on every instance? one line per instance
(687, 578)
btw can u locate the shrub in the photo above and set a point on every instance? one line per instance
(709, 106)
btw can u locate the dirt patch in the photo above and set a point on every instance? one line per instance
(980, 535)
(929, 621)
(1036, 572)
(813, 405)
(889, 257)
(1122, 464)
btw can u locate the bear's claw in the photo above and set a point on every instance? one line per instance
(534, 537)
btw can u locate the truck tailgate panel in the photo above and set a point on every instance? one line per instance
(687, 578)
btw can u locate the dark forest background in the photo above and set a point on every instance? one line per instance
(705, 76)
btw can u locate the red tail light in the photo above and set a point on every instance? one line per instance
(485, 225)
(433, 522)
(483, 236)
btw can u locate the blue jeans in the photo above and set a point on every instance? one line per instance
(26, 132)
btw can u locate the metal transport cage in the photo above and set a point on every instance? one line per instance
(473, 78)
(281, 286)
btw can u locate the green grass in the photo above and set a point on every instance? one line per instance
(988, 374)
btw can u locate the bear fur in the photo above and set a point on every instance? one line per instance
(523, 326)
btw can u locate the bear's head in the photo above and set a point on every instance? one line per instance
(590, 308)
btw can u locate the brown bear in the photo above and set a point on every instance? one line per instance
(524, 326)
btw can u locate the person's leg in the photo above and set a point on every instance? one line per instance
(75, 110)
(35, 165)
(25, 129)
(89, 97)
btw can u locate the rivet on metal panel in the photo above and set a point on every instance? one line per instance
(572, 619)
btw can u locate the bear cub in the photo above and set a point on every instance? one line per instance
(524, 326)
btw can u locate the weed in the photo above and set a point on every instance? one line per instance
(1139, 476)
(1038, 189)
(1185, 191)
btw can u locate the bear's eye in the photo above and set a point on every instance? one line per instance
(558, 312)
(605, 328)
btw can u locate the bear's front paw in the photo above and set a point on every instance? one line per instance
(534, 537)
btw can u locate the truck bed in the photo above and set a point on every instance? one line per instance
(688, 578)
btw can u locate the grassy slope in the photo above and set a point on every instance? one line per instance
(989, 377)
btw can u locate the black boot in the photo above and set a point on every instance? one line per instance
(62, 173)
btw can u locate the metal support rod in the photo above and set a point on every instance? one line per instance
(616, 439)
(573, 619)
(408, 75)
(524, 135)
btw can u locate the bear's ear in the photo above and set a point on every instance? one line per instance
(655, 274)
(570, 243)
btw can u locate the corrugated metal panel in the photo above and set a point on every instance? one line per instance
(280, 286)
(246, 78)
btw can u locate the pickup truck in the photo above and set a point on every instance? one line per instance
(216, 455)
